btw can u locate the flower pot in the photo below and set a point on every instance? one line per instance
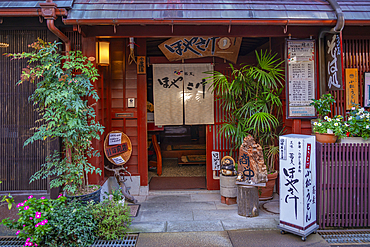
(265, 193)
(94, 196)
(353, 140)
(326, 138)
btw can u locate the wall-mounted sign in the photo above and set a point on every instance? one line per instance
(179, 48)
(141, 65)
(215, 161)
(181, 92)
(367, 90)
(117, 147)
(351, 88)
(300, 79)
(333, 61)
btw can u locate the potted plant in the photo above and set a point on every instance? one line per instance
(329, 129)
(357, 126)
(63, 86)
(323, 105)
(250, 96)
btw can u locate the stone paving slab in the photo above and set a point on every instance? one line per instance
(250, 223)
(168, 198)
(188, 239)
(194, 226)
(146, 206)
(205, 197)
(137, 227)
(191, 206)
(273, 238)
(156, 215)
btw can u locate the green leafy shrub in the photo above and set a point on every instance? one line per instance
(72, 224)
(117, 195)
(323, 105)
(34, 216)
(113, 219)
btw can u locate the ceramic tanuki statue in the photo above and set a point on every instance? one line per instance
(251, 162)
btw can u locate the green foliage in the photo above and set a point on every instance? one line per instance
(8, 199)
(358, 123)
(34, 219)
(250, 96)
(72, 224)
(323, 104)
(63, 86)
(117, 195)
(336, 125)
(113, 219)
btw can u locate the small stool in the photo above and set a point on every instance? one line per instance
(248, 200)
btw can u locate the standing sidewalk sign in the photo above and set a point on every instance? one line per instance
(300, 78)
(298, 184)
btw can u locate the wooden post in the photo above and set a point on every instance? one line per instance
(248, 201)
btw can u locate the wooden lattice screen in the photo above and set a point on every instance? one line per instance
(17, 117)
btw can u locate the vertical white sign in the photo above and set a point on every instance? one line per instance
(298, 183)
(215, 161)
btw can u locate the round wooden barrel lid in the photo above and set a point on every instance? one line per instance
(119, 152)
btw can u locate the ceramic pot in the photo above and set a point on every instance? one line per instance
(94, 196)
(326, 138)
(265, 193)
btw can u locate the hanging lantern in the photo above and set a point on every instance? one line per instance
(102, 53)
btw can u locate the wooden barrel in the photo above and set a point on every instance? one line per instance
(248, 201)
(228, 187)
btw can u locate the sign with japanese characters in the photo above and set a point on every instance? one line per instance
(298, 182)
(141, 65)
(179, 48)
(367, 90)
(114, 139)
(351, 88)
(215, 161)
(300, 78)
(181, 95)
(333, 60)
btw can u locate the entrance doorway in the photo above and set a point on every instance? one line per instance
(182, 152)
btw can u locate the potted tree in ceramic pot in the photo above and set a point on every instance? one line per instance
(250, 97)
(63, 86)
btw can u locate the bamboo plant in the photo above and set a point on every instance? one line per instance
(250, 97)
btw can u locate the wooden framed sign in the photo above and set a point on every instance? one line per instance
(300, 78)
(117, 147)
(141, 65)
(367, 90)
(351, 88)
(179, 48)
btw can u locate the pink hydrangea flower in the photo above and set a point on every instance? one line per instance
(24, 225)
(31, 218)
(30, 196)
(18, 232)
(42, 198)
(60, 195)
(25, 201)
(26, 207)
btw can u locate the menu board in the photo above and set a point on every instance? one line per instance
(300, 78)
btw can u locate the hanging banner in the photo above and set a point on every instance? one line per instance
(301, 78)
(351, 88)
(179, 87)
(367, 90)
(168, 92)
(179, 48)
(198, 99)
(333, 60)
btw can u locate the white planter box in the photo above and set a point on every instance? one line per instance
(353, 140)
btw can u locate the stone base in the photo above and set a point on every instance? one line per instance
(228, 200)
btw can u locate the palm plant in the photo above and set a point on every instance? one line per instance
(250, 96)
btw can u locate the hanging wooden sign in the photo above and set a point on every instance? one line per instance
(179, 48)
(351, 88)
(141, 65)
(333, 60)
(117, 149)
